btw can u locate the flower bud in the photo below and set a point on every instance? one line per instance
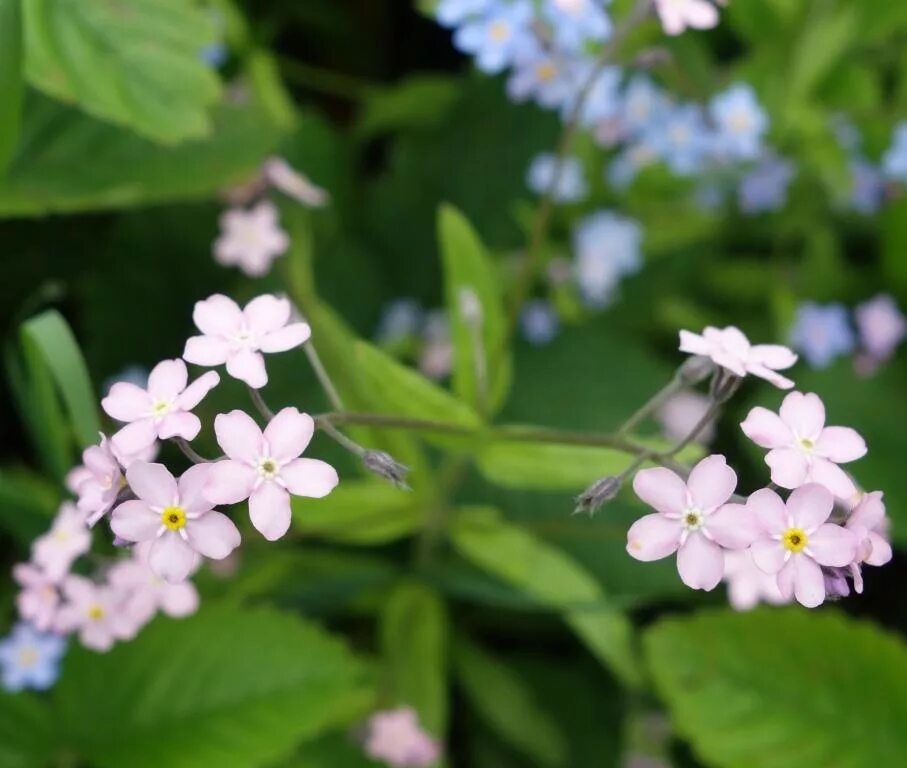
(597, 494)
(384, 465)
(696, 369)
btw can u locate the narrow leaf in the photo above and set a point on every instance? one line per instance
(12, 87)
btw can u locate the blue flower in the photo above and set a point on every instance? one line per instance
(576, 22)
(822, 332)
(400, 319)
(499, 37)
(602, 101)
(643, 103)
(681, 139)
(30, 659)
(894, 162)
(539, 322)
(845, 132)
(571, 183)
(764, 188)
(214, 55)
(867, 190)
(634, 158)
(740, 123)
(452, 13)
(538, 74)
(606, 248)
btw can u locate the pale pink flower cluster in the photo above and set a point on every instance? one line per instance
(679, 15)
(395, 737)
(170, 524)
(766, 548)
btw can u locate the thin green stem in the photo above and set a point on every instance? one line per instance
(652, 405)
(189, 452)
(324, 379)
(324, 424)
(260, 405)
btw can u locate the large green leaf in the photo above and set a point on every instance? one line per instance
(226, 687)
(783, 689)
(482, 366)
(414, 638)
(28, 735)
(11, 78)
(132, 62)
(514, 555)
(69, 162)
(28, 502)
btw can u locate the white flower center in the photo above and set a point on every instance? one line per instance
(692, 519)
(268, 468)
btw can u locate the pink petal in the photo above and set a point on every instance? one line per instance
(171, 558)
(701, 15)
(192, 486)
(267, 313)
(229, 482)
(729, 360)
(661, 489)
(764, 372)
(768, 511)
(167, 379)
(653, 537)
(309, 477)
(179, 424)
(153, 484)
(126, 402)
(790, 467)
(179, 600)
(134, 521)
(804, 414)
(239, 436)
(766, 429)
(809, 506)
(840, 445)
(248, 366)
(733, 526)
(217, 316)
(734, 341)
(694, 344)
(711, 483)
(206, 350)
(807, 581)
(288, 434)
(135, 437)
(700, 562)
(768, 554)
(671, 20)
(196, 391)
(773, 356)
(213, 535)
(835, 479)
(880, 552)
(285, 338)
(269, 510)
(870, 512)
(833, 546)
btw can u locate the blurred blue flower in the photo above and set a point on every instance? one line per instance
(845, 132)
(631, 160)
(740, 122)
(30, 659)
(709, 196)
(539, 322)
(451, 13)
(499, 37)
(894, 162)
(400, 319)
(215, 54)
(603, 100)
(764, 188)
(643, 103)
(867, 190)
(681, 139)
(538, 74)
(822, 332)
(571, 183)
(606, 248)
(577, 22)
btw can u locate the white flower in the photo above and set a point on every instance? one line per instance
(250, 239)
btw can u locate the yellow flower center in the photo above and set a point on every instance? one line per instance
(96, 612)
(546, 71)
(499, 31)
(28, 657)
(173, 517)
(160, 408)
(807, 444)
(795, 539)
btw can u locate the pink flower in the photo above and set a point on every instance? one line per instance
(238, 337)
(747, 584)
(67, 539)
(97, 482)
(681, 413)
(176, 517)
(882, 326)
(677, 15)
(396, 738)
(284, 177)
(95, 612)
(264, 467)
(796, 540)
(250, 239)
(869, 524)
(147, 592)
(693, 519)
(802, 449)
(39, 599)
(730, 349)
(161, 411)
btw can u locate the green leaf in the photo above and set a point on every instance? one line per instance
(480, 351)
(28, 735)
(420, 101)
(136, 63)
(783, 688)
(507, 704)
(548, 574)
(364, 512)
(225, 687)
(28, 503)
(53, 339)
(68, 162)
(12, 87)
(414, 638)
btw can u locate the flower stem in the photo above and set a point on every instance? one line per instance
(189, 452)
(259, 402)
(652, 405)
(322, 375)
(324, 424)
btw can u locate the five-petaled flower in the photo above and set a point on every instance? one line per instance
(39, 599)
(250, 239)
(802, 449)
(67, 539)
(869, 523)
(237, 336)
(96, 612)
(30, 658)
(677, 15)
(265, 468)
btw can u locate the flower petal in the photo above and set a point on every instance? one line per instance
(768, 511)
(767, 429)
(653, 537)
(840, 445)
(134, 521)
(700, 562)
(661, 489)
(809, 584)
(870, 512)
(266, 313)
(179, 424)
(192, 488)
(288, 434)
(809, 506)
(171, 558)
(309, 477)
(733, 526)
(179, 600)
(764, 372)
(152, 483)
(167, 379)
(830, 475)
(135, 437)
(286, 338)
(196, 391)
(880, 552)
(239, 436)
(269, 510)
(711, 483)
(790, 467)
(126, 402)
(206, 350)
(833, 546)
(694, 344)
(217, 315)
(229, 482)
(804, 414)
(213, 535)
(248, 366)
(773, 356)
(768, 555)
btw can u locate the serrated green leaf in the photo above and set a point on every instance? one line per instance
(414, 640)
(136, 63)
(481, 359)
(783, 688)
(517, 557)
(12, 88)
(225, 687)
(507, 704)
(28, 736)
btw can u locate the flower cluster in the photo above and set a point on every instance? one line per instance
(808, 547)
(168, 524)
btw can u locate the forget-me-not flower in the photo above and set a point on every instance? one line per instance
(821, 333)
(30, 659)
